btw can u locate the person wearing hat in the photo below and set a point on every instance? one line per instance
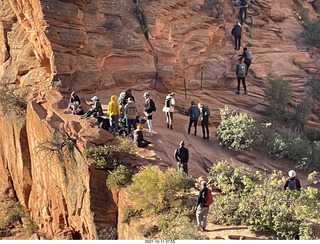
(74, 102)
(181, 154)
(138, 137)
(95, 110)
(149, 107)
(114, 113)
(292, 182)
(169, 109)
(131, 112)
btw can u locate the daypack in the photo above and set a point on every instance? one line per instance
(206, 111)
(168, 102)
(152, 106)
(248, 55)
(207, 198)
(243, 2)
(292, 184)
(241, 70)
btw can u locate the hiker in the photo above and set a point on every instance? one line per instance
(243, 10)
(79, 110)
(169, 109)
(95, 110)
(131, 114)
(74, 102)
(203, 203)
(127, 95)
(121, 106)
(181, 154)
(114, 113)
(194, 113)
(293, 183)
(247, 56)
(241, 70)
(205, 113)
(149, 107)
(138, 137)
(236, 32)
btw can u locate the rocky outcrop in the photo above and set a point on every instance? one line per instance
(51, 47)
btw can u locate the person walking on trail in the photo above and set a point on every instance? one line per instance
(236, 32)
(181, 154)
(131, 114)
(292, 183)
(169, 109)
(243, 10)
(138, 137)
(114, 113)
(194, 113)
(241, 70)
(205, 113)
(74, 102)
(149, 107)
(95, 110)
(203, 203)
(247, 57)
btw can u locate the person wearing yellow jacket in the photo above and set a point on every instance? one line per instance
(114, 113)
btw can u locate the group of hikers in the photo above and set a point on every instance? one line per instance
(245, 58)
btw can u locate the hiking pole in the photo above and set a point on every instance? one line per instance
(201, 78)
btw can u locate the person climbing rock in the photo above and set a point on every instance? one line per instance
(243, 10)
(236, 32)
(247, 57)
(241, 70)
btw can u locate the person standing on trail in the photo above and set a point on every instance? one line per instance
(149, 107)
(243, 10)
(203, 203)
(169, 109)
(247, 56)
(131, 114)
(194, 113)
(241, 70)
(292, 183)
(205, 113)
(236, 32)
(114, 113)
(181, 154)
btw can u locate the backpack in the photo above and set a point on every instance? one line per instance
(248, 55)
(207, 198)
(243, 2)
(168, 102)
(152, 106)
(292, 184)
(206, 111)
(241, 70)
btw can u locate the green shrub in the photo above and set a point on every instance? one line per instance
(229, 179)
(13, 100)
(119, 177)
(128, 214)
(312, 134)
(311, 33)
(266, 207)
(316, 5)
(278, 95)
(152, 190)
(314, 84)
(238, 130)
(299, 118)
(109, 157)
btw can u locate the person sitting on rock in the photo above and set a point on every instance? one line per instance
(96, 109)
(138, 137)
(74, 102)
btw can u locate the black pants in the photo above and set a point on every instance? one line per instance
(182, 166)
(205, 124)
(248, 63)
(195, 122)
(89, 113)
(243, 79)
(241, 12)
(237, 42)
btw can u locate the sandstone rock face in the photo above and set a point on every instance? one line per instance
(51, 47)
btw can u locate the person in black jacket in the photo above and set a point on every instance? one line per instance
(74, 102)
(247, 60)
(205, 113)
(236, 32)
(193, 112)
(149, 107)
(241, 71)
(181, 154)
(243, 10)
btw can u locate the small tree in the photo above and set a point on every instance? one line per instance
(311, 33)
(278, 94)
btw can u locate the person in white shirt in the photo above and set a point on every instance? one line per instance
(169, 109)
